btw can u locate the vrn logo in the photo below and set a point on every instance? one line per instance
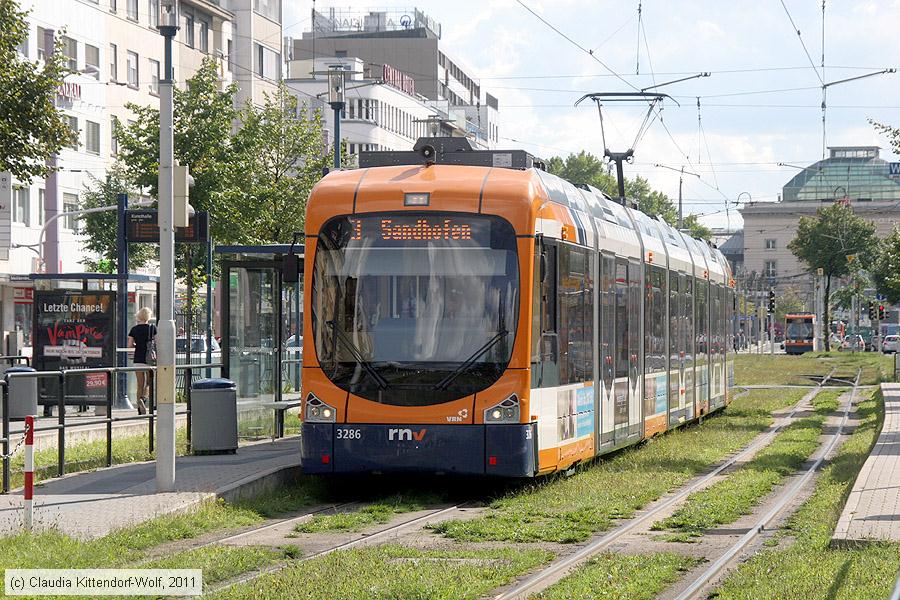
(894, 170)
(406, 435)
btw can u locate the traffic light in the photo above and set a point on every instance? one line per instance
(881, 312)
(872, 313)
(772, 302)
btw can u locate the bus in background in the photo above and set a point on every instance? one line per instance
(799, 333)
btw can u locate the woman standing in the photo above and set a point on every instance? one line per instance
(140, 338)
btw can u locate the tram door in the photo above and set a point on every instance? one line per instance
(622, 351)
(635, 418)
(607, 335)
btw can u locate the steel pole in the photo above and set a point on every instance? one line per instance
(680, 182)
(122, 302)
(165, 370)
(338, 107)
(50, 249)
(209, 301)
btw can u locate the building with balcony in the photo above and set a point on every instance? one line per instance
(116, 52)
(405, 41)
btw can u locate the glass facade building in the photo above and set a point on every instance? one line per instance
(855, 172)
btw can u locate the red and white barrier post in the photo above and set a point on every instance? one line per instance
(29, 472)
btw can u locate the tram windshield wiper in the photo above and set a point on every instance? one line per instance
(380, 381)
(445, 382)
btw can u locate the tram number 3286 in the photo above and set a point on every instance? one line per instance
(349, 434)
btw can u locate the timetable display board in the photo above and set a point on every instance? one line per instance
(142, 226)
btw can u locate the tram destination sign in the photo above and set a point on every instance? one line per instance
(142, 226)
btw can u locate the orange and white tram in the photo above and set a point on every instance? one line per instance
(473, 314)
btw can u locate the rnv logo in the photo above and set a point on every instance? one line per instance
(406, 435)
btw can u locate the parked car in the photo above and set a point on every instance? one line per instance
(854, 342)
(198, 349)
(890, 343)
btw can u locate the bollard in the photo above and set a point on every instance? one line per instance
(29, 472)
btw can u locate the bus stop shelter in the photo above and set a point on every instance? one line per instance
(262, 331)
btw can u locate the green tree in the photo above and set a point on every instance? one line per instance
(788, 302)
(100, 228)
(584, 167)
(833, 240)
(31, 129)
(279, 158)
(203, 121)
(886, 267)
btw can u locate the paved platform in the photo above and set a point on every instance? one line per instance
(872, 512)
(90, 505)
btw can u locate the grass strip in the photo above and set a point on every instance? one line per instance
(621, 577)
(377, 512)
(755, 369)
(571, 509)
(737, 494)
(803, 565)
(392, 571)
(86, 456)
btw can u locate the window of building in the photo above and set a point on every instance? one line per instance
(770, 244)
(271, 9)
(189, 30)
(113, 63)
(40, 214)
(92, 137)
(153, 10)
(266, 63)
(41, 45)
(112, 5)
(132, 69)
(70, 50)
(132, 9)
(204, 36)
(22, 207)
(113, 141)
(73, 127)
(229, 59)
(92, 61)
(154, 76)
(70, 204)
(770, 268)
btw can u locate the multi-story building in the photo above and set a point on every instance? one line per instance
(405, 42)
(116, 52)
(854, 174)
(382, 113)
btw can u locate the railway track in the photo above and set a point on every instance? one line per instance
(559, 568)
(699, 583)
(377, 537)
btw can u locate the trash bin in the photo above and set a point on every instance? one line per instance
(214, 416)
(249, 378)
(23, 394)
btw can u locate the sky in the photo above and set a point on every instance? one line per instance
(761, 104)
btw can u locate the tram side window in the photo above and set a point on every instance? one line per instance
(549, 340)
(621, 349)
(688, 284)
(575, 315)
(673, 317)
(701, 314)
(655, 328)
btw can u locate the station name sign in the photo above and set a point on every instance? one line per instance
(142, 226)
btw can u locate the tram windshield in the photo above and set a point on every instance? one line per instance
(799, 329)
(415, 309)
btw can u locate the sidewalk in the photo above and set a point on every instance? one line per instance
(872, 512)
(90, 505)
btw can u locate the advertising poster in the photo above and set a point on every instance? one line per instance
(74, 330)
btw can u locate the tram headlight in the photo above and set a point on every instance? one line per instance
(317, 411)
(504, 412)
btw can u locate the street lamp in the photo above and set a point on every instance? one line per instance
(336, 75)
(165, 339)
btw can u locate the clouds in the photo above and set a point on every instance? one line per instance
(518, 58)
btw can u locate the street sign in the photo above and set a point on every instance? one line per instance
(894, 170)
(142, 226)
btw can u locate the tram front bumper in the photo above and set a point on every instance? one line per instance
(497, 450)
